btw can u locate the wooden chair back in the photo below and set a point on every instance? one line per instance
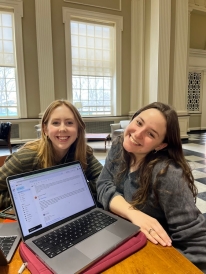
(2, 159)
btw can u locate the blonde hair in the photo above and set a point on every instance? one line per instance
(44, 146)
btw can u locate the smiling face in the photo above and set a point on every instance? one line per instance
(61, 129)
(145, 133)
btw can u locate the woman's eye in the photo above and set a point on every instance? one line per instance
(55, 123)
(69, 123)
(151, 134)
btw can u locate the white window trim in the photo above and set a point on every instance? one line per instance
(68, 15)
(17, 6)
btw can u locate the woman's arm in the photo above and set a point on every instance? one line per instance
(16, 163)
(94, 168)
(112, 198)
(11, 166)
(121, 207)
(106, 189)
(187, 226)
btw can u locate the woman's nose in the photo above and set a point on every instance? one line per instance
(139, 132)
(62, 127)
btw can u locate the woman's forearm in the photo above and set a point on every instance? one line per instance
(121, 207)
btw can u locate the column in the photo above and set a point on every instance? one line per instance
(203, 116)
(137, 55)
(180, 70)
(159, 51)
(45, 53)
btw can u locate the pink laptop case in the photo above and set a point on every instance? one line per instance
(123, 251)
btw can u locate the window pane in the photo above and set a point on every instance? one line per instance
(11, 98)
(12, 112)
(6, 20)
(8, 47)
(3, 98)
(11, 85)
(7, 33)
(3, 111)
(82, 29)
(94, 93)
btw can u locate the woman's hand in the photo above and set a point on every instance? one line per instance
(148, 225)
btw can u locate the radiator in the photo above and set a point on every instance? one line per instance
(15, 131)
(98, 127)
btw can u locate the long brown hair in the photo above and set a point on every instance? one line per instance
(44, 145)
(173, 153)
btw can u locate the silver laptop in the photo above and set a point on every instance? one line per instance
(59, 219)
(10, 237)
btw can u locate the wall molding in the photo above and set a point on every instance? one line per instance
(197, 53)
(117, 4)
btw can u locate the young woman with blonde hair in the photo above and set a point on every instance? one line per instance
(62, 140)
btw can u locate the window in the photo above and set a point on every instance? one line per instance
(11, 54)
(93, 43)
(8, 98)
(92, 67)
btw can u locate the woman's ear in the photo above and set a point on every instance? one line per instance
(45, 130)
(161, 146)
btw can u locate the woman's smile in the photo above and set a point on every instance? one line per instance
(133, 140)
(63, 138)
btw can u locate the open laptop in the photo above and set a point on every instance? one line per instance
(10, 237)
(49, 201)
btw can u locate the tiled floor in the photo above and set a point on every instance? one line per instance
(194, 151)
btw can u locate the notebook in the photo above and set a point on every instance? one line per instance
(53, 201)
(10, 237)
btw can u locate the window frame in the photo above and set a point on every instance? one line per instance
(17, 7)
(70, 14)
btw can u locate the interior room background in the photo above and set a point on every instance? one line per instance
(158, 51)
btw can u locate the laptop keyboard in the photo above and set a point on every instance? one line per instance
(65, 237)
(6, 243)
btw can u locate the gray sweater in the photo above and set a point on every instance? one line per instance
(175, 210)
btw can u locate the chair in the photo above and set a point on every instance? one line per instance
(118, 128)
(38, 130)
(5, 135)
(2, 159)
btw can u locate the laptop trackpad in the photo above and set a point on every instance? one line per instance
(97, 244)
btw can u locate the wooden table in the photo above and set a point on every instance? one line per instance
(98, 136)
(151, 259)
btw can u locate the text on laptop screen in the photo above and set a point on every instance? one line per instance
(47, 197)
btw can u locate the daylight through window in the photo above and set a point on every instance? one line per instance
(93, 67)
(8, 86)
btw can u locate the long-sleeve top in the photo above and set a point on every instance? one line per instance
(175, 210)
(26, 160)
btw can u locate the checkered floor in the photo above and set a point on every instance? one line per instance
(195, 153)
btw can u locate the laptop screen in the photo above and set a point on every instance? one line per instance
(44, 197)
